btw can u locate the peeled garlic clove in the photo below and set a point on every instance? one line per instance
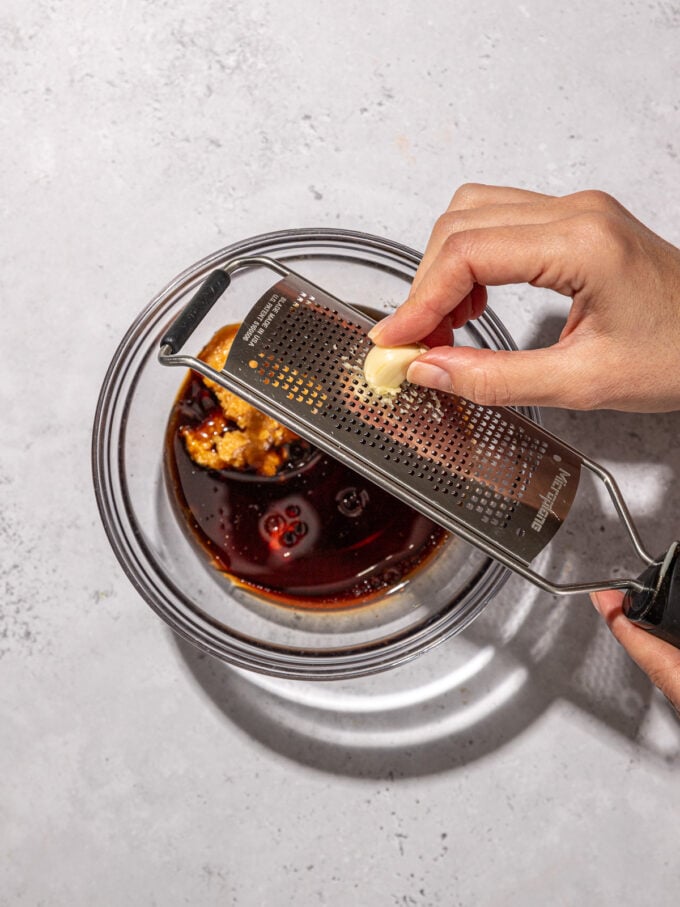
(385, 367)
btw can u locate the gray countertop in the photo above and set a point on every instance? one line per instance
(139, 137)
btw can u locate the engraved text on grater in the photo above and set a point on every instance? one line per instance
(549, 499)
(264, 318)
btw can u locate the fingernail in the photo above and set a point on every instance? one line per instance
(376, 331)
(596, 601)
(429, 376)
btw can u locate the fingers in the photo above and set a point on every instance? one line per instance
(657, 658)
(505, 378)
(471, 307)
(586, 246)
(553, 257)
(475, 205)
(478, 195)
(442, 334)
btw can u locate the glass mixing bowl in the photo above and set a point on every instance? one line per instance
(220, 615)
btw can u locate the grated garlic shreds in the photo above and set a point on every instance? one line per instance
(401, 403)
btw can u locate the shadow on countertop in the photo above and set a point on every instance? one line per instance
(563, 652)
(527, 651)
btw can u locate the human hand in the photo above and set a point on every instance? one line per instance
(657, 658)
(620, 346)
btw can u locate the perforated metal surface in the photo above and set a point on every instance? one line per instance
(490, 470)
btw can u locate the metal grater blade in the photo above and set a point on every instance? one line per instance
(489, 474)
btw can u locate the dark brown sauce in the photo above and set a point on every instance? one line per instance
(316, 535)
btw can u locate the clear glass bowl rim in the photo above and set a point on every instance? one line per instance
(128, 545)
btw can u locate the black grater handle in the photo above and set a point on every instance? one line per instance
(657, 608)
(195, 310)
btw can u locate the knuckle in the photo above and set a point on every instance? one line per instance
(602, 233)
(467, 196)
(597, 224)
(597, 200)
(446, 223)
(442, 223)
(454, 244)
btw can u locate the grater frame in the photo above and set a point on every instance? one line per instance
(481, 507)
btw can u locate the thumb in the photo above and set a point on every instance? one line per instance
(545, 377)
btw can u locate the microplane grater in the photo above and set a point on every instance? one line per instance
(488, 474)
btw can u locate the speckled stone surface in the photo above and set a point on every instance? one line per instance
(140, 136)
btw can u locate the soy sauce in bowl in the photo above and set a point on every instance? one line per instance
(290, 522)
